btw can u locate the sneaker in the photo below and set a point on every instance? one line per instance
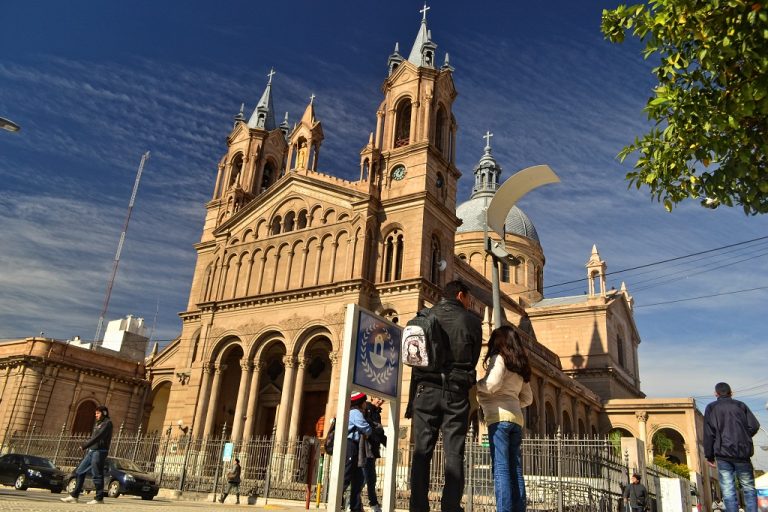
(69, 499)
(95, 502)
(375, 508)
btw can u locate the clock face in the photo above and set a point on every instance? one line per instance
(398, 172)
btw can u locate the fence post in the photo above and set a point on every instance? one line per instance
(470, 459)
(29, 436)
(165, 455)
(117, 442)
(218, 461)
(58, 443)
(268, 476)
(559, 445)
(136, 446)
(187, 445)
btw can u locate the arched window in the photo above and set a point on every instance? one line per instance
(234, 173)
(505, 272)
(435, 261)
(276, 225)
(403, 124)
(267, 176)
(393, 257)
(520, 272)
(539, 278)
(302, 219)
(440, 130)
(290, 222)
(620, 350)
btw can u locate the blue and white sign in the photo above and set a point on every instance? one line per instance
(377, 355)
(227, 454)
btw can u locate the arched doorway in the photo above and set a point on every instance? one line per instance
(272, 370)
(224, 404)
(567, 426)
(84, 418)
(317, 383)
(550, 419)
(669, 443)
(158, 406)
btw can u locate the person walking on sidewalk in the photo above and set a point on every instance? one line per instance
(635, 495)
(96, 449)
(729, 426)
(357, 429)
(233, 482)
(372, 445)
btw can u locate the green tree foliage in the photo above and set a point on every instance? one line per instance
(678, 469)
(662, 444)
(710, 107)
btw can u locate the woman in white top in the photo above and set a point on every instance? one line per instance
(502, 394)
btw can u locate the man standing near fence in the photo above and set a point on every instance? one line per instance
(729, 426)
(96, 449)
(233, 481)
(441, 401)
(636, 495)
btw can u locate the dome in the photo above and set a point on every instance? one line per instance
(472, 213)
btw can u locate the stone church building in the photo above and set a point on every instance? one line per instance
(286, 245)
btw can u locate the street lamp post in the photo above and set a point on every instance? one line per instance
(495, 218)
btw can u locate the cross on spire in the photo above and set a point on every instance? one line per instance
(312, 98)
(487, 138)
(424, 12)
(271, 74)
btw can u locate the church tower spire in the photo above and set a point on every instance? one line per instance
(263, 116)
(423, 50)
(487, 172)
(304, 141)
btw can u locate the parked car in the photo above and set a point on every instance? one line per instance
(121, 476)
(23, 471)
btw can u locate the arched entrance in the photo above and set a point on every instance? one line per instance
(669, 443)
(317, 382)
(224, 404)
(84, 418)
(272, 370)
(158, 406)
(550, 419)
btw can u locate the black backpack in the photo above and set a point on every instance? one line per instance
(328, 444)
(424, 345)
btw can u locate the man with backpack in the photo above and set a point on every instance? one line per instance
(440, 397)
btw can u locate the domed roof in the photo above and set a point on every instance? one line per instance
(472, 213)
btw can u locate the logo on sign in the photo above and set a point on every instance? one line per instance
(378, 354)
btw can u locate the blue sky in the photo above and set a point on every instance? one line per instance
(96, 84)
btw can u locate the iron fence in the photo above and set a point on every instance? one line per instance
(562, 473)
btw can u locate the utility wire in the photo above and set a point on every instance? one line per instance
(702, 297)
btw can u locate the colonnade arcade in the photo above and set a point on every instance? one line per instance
(267, 388)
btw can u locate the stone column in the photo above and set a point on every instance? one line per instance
(316, 279)
(304, 253)
(330, 406)
(642, 432)
(274, 274)
(260, 273)
(298, 395)
(236, 280)
(287, 283)
(248, 277)
(213, 400)
(202, 401)
(242, 397)
(377, 139)
(286, 398)
(253, 394)
(542, 408)
(426, 122)
(334, 249)
(223, 283)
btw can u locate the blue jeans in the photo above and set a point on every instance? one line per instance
(729, 472)
(506, 438)
(93, 462)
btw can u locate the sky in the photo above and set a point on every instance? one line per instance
(94, 85)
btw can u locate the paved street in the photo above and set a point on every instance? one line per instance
(44, 501)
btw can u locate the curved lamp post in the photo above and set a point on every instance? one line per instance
(495, 217)
(7, 124)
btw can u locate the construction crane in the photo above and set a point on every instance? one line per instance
(115, 264)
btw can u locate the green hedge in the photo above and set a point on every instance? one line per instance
(678, 469)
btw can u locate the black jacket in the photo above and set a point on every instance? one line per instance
(233, 475)
(637, 495)
(377, 437)
(465, 336)
(729, 426)
(101, 437)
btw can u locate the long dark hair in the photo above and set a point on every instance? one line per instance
(506, 342)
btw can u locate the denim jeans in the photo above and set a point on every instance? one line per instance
(505, 439)
(729, 472)
(370, 481)
(93, 463)
(353, 477)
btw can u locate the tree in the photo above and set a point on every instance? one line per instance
(710, 107)
(662, 444)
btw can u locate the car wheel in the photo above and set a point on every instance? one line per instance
(113, 491)
(71, 485)
(21, 483)
(56, 490)
(147, 497)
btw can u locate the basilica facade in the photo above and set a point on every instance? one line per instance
(287, 244)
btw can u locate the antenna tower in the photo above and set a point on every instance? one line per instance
(115, 264)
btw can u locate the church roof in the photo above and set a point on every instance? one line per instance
(423, 39)
(264, 114)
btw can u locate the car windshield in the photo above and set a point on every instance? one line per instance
(30, 460)
(126, 465)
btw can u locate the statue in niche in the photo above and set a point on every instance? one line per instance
(301, 157)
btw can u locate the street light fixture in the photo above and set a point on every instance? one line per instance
(7, 124)
(496, 215)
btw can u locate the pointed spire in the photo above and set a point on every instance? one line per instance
(423, 50)
(284, 126)
(487, 172)
(395, 59)
(447, 63)
(263, 115)
(240, 115)
(309, 113)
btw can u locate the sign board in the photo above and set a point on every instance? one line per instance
(370, 362)
(377, 355)
(227, 455)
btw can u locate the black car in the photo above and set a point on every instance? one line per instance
(121, 476)
(23, 471)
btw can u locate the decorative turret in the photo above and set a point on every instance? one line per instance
(285, 127)
(596, 270)
(395, 59)
(305, 140)
(423, 51)
(263, 116)
(487, 172)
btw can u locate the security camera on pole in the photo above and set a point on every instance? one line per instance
(496, 214)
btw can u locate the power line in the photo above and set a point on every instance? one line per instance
(703, 297)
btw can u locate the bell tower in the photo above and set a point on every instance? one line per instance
(410, 160)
